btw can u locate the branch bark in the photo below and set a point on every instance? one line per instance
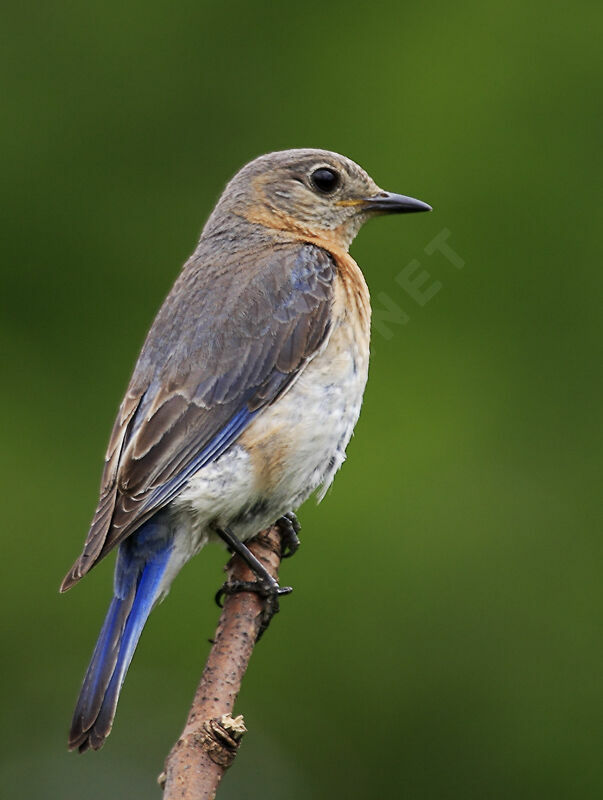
(211, 737)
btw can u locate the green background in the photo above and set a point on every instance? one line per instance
(444, 637)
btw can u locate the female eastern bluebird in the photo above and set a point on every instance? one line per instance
(243, 399)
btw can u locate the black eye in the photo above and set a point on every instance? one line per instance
(325, 180)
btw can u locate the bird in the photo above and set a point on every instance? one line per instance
(243, 399)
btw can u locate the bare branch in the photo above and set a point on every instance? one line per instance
(210, 739)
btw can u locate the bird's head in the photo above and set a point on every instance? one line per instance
(313, 193)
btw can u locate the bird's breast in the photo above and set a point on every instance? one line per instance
(298, 443)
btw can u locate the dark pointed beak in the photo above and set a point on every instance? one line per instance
(391, 203)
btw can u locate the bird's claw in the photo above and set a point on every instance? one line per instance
(269, 591)
(257, 587)
(289, 527)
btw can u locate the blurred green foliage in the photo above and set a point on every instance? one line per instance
(444, 637)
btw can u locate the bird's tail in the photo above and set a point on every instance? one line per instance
(140, 568)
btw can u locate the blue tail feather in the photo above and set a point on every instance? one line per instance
(141, 563)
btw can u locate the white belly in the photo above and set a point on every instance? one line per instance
(299, 443)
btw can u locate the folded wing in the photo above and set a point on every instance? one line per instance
(226, 343)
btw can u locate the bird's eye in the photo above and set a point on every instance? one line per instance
(325, 180)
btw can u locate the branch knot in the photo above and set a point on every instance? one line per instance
(221, 737)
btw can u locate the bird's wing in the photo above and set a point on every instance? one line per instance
(223, 346)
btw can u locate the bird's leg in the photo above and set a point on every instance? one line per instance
(289, 527)
(265, 585)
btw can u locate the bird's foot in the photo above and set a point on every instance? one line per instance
(260, 587)
(266, 586)
(269, 590)
(289, 527)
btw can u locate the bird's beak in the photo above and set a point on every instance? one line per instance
(390, 203)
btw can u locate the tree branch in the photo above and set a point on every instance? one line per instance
(210, 739)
